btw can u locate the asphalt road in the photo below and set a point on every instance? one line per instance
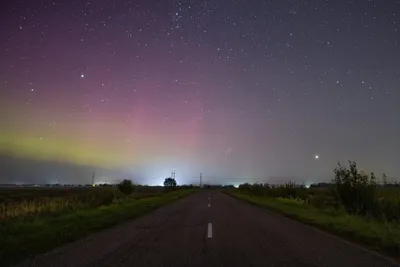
(210, 228)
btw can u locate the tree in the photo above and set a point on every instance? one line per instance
(169, 182)
(126, 187)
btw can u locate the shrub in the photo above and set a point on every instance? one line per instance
(169, 182)
(355, 190)
(126, 187)
(351, 190)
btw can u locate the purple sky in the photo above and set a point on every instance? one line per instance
(232, 89)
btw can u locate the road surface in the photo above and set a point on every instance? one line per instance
(210, 228)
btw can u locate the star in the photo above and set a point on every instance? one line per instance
(153, 83)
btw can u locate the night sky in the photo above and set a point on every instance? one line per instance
(267, 90)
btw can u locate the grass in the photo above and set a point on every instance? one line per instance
(16, 203)
(26, 237)
(380, 236)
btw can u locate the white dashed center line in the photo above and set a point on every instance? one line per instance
(209, 230)
(209, 205)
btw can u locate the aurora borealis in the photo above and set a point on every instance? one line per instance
(233, 89)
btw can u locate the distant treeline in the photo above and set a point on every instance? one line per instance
(56, 185)
(330, 185)
(110, 185)
(105, 185)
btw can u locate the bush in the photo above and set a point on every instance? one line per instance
(351, 190)
(170, 182)
(355, 190)
(126, 187)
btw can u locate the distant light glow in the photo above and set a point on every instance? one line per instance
(173, 93)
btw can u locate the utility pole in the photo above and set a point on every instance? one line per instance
(93, 179)
(201, 180)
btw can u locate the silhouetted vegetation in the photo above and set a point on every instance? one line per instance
(126, 187)
(21, 236)
(352, 190)
(360, 193)
(354, 205)
(169, 182)
(355, 190)
(27, 202)
(321, 185)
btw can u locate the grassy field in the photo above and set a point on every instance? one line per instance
(22, 202)
(45, 218)
(317, 207)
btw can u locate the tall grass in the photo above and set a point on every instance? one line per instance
(382, 236)
(354, 205)
(56, 205)
(24, 203)
(24, 238)
(360, 194)
(352, 190)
